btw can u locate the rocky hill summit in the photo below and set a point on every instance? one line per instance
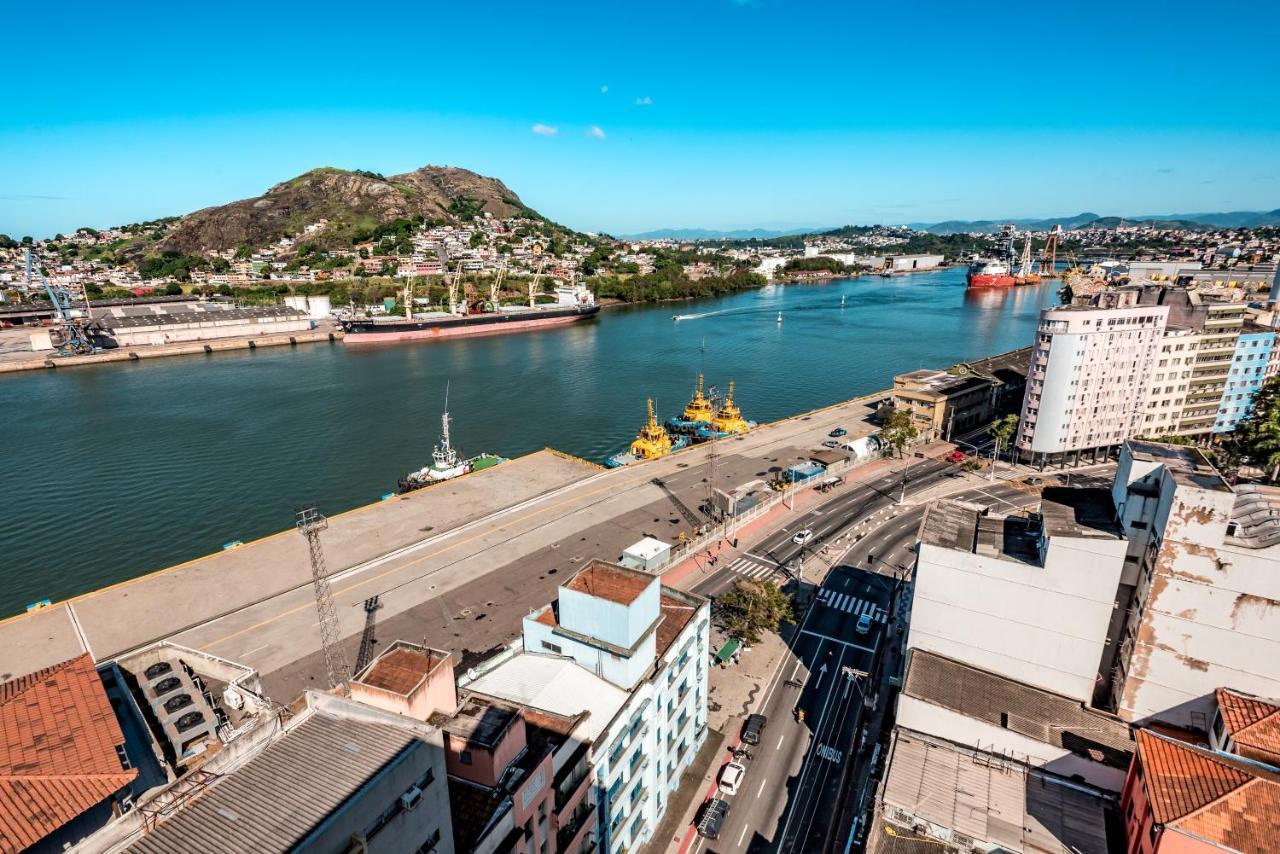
(336, 207)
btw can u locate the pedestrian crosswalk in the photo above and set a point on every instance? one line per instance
(851, 604)
(749, 568)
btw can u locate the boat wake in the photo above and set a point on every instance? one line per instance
(679, 317)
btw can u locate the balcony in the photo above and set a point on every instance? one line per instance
(570, 791)
(577, 828)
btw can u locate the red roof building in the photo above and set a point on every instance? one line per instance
(61, 751)
(1247, 725)
(1179, 798)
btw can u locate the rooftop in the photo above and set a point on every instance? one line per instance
(277, 798)
(1009, 368)
(554, 684)
(1076, 512)
(1186, 464)
(1253, 724)
(969, 528)
(481, 721)
(1046, 717)
(939, 383)
(610, 581)
(401, 668)
(988, 798)
(1222, 799)
(58, 738)
(678, 609)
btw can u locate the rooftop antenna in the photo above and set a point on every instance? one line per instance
(310, 523)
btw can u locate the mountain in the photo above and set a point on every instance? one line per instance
(992, 226)
(353, 203)
(714, 234)
(1232, 219)
(1229, 219)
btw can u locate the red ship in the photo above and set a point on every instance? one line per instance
(988, 273)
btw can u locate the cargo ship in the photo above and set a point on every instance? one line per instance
(446, 464)
(989, 273)
(571, 304)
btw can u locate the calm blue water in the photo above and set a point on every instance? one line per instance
(118, 470)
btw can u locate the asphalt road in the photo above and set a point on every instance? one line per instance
(808, 781)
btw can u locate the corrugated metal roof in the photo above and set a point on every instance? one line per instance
(1021, 708)
(554, 684)
(278, 797)
(984, 798)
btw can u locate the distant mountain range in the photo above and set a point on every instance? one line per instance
(1230, 219)
(714, 234)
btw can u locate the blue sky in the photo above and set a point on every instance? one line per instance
(626, 117)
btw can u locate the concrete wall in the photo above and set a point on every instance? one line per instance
(204, 331)
(625, 672)
(1045, 626)
(607, 620)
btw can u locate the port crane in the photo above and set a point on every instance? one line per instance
(1024, 268)
(72, 338)
(453, 288)
(1049, 255)
(310, 523)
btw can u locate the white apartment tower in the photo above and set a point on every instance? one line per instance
(1090, 372)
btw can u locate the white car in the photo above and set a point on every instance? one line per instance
(731, 778)
(802, 537)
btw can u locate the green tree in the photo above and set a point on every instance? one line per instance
(477, 239)
(897, 429)
(1257, 436)
(218, 264)
(244, 252)
(1003, 430)
(752, 607)
(173, 289)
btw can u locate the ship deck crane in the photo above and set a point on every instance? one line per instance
(533, 284)
(494, 286)
(453, 288)
(72, 338)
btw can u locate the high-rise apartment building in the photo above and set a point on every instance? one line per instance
(1136, 361)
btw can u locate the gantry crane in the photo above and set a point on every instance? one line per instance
(73, 337)
(1049, 255)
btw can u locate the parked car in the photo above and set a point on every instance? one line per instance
(831, 443)
(731, 777)
(713, 817)
(864, 624)
(956, 457)
(838, 432)
(753, 727)
(802, 537)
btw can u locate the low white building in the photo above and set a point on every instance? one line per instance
(634, 654)
(1030, 599)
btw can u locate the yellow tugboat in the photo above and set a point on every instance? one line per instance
(651, 443)
(697, 415)
(728, 420)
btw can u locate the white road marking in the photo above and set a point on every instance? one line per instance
(761, 792)
(780, 738)
(837, 641)
(255, 649)
(742, 836)
(75, 624)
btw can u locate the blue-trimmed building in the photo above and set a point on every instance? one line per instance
(1248, 371)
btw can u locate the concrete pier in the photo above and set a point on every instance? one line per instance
(38, 362)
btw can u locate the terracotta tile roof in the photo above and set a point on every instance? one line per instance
(58, 738)
(399, 670)
(1227, 801)
(547, 616)
(1253, 724)
(608, 581)
(676, 614)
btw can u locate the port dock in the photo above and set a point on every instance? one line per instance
(459, 563)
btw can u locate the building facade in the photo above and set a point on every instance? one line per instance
(616, 639)
(1249, 365)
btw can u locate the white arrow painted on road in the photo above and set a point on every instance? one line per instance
(821, 670)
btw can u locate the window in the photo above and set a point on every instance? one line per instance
(430, 845)
(465, 757)
(552, 647)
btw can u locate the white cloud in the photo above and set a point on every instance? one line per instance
(646, 101)
(595, 132)
(604, 90)
(544, 130)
